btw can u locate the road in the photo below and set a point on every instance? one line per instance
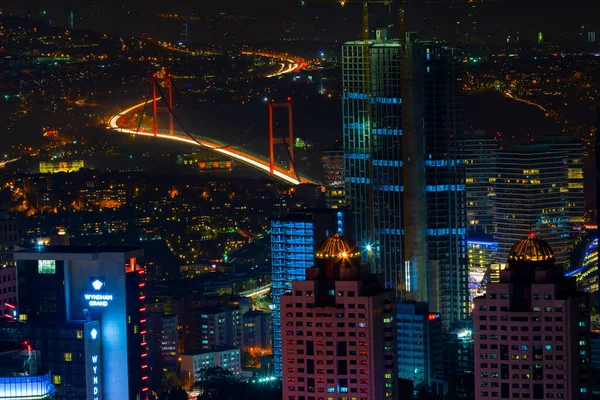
(256, 292)
(287, 65)
(116, 124)
(3, 163)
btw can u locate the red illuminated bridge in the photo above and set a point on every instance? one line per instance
(117, 124)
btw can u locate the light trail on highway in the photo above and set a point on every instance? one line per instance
(235, 154)
(289, 66)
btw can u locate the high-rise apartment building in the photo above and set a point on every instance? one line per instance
(81, 307)
(333, 169)
(217, 326)
(338, 329)
(293, 238)
(372, 124)
(532, 333)
(258, 330)
(481, 152)
(573, 161)
(420, 249)
(436, 232)
(531, 195)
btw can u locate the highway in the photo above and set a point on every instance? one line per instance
(115, 123)
(287, 65)
(256, 292)
(3, 163)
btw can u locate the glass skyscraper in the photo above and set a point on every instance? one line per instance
(372, 126)
(531, 195)
(436, 178)
(406, 184)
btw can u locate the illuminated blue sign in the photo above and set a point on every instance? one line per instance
(99, 298)
(95, 380)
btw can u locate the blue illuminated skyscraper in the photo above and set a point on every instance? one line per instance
(437, 219)
(293, 238)
(372, 126)
(404, 168)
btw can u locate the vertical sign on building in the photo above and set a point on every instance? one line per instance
(93, 365)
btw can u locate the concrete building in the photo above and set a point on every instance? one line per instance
(338, 329)
(81, 307)
(216, 327)
(257, 330)
(193, 362)
(532, 333)
(162, 335)
(420, 342)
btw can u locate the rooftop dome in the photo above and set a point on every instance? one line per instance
(531, 249)
(337, 246)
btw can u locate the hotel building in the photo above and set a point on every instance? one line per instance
(532, 333)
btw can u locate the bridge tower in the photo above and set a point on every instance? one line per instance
(168, 81)
(274, 140)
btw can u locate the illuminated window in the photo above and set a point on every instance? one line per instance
(56, 379)
(22, 317)
(68, 357)
(135, 329)
(46, 267)
(79, 334)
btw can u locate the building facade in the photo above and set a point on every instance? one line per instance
(372, 126)
(258, 330)
(481, 256)
(339, 331)
(194, 362)
(531, 194)
(436, 232)
(481, 152)
(80, 306)
(532, 333)
(420, 342)
(293, 238)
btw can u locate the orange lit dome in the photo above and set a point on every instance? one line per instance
(337, 246)
(531, 249)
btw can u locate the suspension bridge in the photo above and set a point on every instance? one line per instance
(122, 123)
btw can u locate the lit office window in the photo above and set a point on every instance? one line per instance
(46, 267)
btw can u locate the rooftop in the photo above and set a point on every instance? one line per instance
(531, 249)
